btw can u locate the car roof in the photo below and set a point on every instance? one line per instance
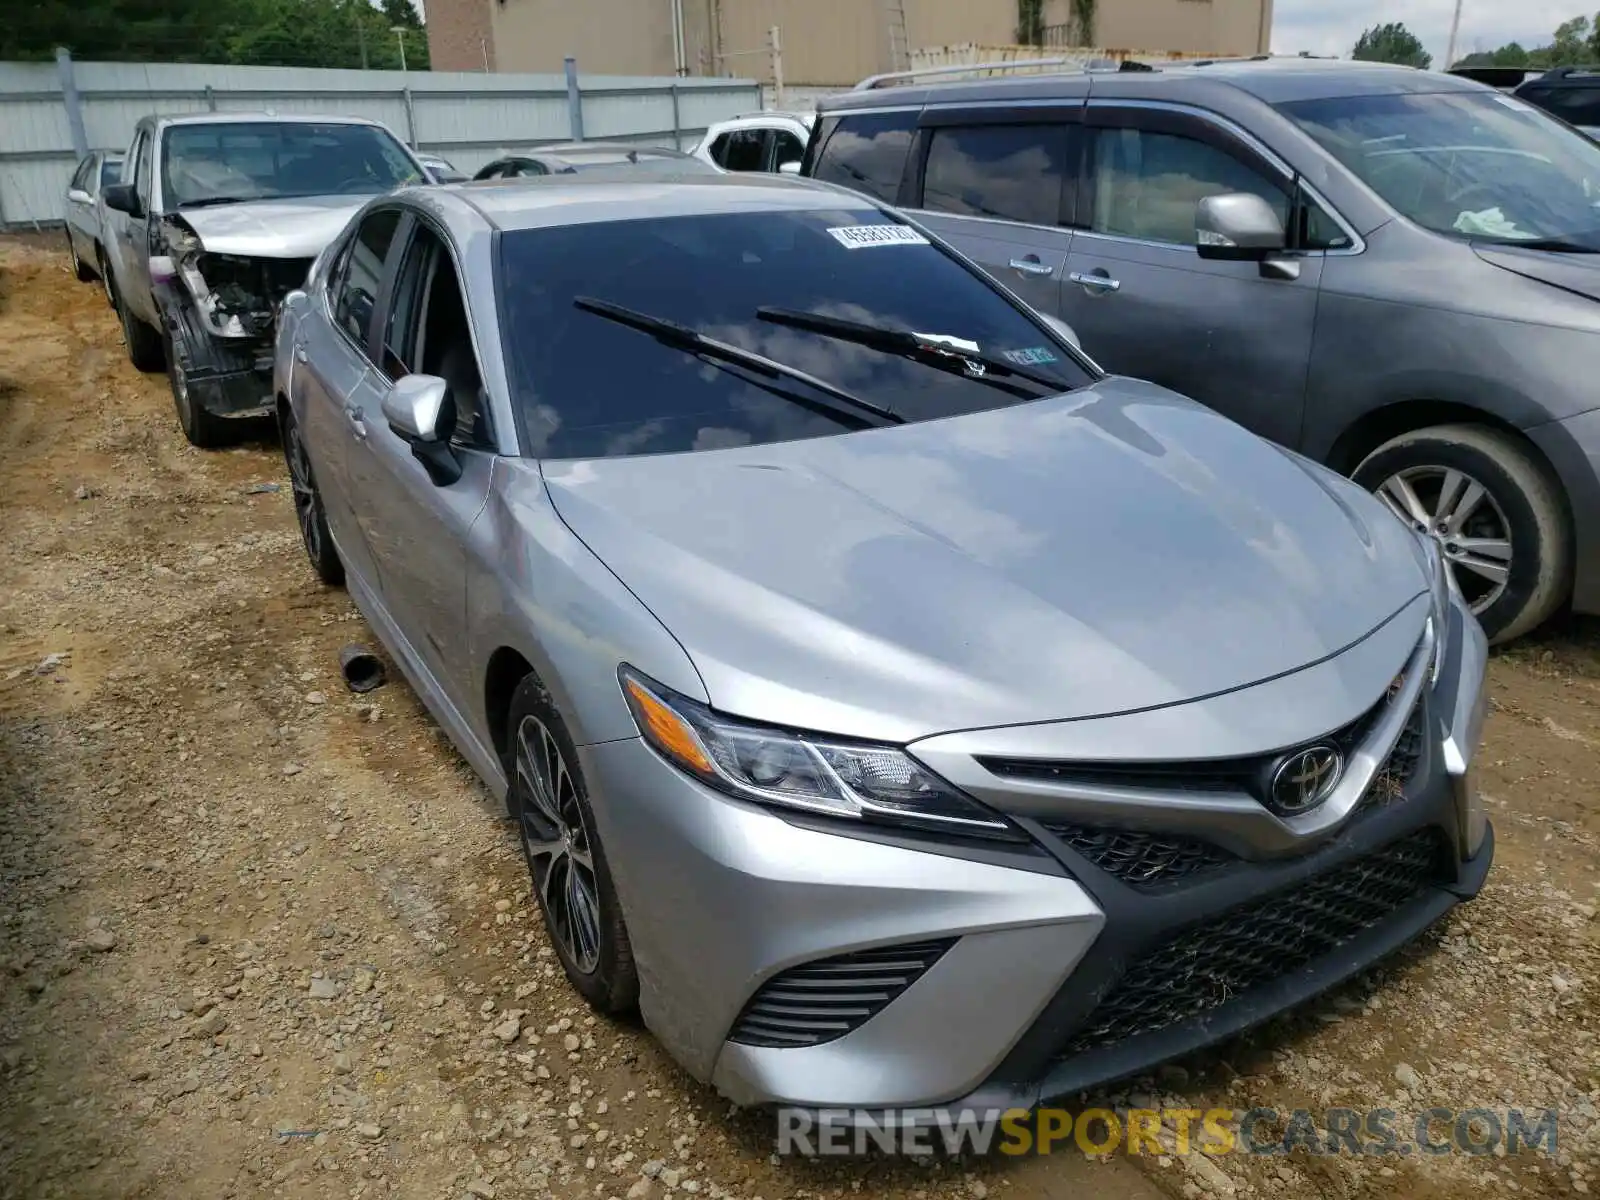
(1273, 80)
(510, 205)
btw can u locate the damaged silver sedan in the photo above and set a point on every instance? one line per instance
(220, 217)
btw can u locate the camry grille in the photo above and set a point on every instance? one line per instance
(826, 999)
(1141, 860)
(1203, 967)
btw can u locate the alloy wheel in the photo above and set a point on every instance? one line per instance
(557, 839)
(1464, 518)
(307, 504)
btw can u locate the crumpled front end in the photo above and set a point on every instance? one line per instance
(220, 313)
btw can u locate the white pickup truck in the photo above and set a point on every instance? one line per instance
(219, 217)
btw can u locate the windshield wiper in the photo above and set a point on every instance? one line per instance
(682, 337)
(208, 201)
(937, 350)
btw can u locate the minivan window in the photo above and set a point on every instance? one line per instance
(867, 153)
(1147, 185)
(589, 387)
(1014, 172)
(1468, 165)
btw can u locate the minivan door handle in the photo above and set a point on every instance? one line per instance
(1031, 266)
(1096, 281)
(358, 427)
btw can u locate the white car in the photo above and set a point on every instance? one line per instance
(763, 141)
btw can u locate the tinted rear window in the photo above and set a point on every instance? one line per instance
(588, 387)
(868, 153)
(1011, 171)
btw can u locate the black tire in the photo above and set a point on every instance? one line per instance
(204, 429)
(1521, 498)
(610, 982)
(309, 510)
(104, 272)
(146, 347)
(81, 269)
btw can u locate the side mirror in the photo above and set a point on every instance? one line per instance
(413, 407)
(79, 196)
(1238, 226)
(1062, 330)
(792, 167)
(123, 198)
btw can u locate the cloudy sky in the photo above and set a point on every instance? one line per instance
(1332, 26)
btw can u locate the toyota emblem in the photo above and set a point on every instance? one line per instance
(1305, 779)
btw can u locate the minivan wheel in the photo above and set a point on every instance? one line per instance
(1493, 509)
(565, 857)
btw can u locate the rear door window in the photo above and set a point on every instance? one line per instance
(1013, 172)
(868, 153)
(355, 291)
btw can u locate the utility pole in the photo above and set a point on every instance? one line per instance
(361, 36)
(777, 66)
(1455, 28)
(400, 36)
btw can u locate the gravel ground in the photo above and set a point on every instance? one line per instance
(260, 937)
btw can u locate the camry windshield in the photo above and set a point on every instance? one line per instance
(215, 163)
(701, 332)
(1481, 166)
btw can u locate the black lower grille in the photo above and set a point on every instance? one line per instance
(1140, 859)
(1210, 964)
(823, 1000)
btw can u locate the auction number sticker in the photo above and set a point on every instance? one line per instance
(855, 237)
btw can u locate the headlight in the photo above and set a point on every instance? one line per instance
(858, 781)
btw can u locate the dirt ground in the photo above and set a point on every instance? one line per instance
(257, 935)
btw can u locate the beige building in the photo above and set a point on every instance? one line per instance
(825, 42)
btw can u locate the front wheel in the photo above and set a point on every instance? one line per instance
(146, 348)
(308, 506)
(1495, 512)
(570, 875)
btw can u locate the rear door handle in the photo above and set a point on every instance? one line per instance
(1031, 266)
(300, 354)
(1099, 283)
(358, 427)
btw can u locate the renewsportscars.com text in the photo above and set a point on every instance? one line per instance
(1262, 1131)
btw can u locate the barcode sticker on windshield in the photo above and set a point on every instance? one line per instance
(854, 237)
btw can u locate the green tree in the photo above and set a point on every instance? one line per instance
(1391, 43)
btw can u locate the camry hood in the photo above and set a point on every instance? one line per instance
(1577, 273)
(1112, 549)
(297, 228)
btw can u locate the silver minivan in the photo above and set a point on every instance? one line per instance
(1394, 272)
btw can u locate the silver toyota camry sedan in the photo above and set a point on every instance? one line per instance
(895, 708)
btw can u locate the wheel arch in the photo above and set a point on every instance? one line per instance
(1377, 426)
(506, 669)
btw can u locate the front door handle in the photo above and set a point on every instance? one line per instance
(1031, 266)
(358, 427)
(1097, 282)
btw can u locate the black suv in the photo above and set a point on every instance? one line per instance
(1571, 93)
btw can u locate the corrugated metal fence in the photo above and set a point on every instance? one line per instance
(468, 117)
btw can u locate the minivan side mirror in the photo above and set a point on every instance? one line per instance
(792, 167)
(79, 196)
(1237, 226)
(123, 198)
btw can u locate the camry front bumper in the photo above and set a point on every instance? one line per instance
(787, 961)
